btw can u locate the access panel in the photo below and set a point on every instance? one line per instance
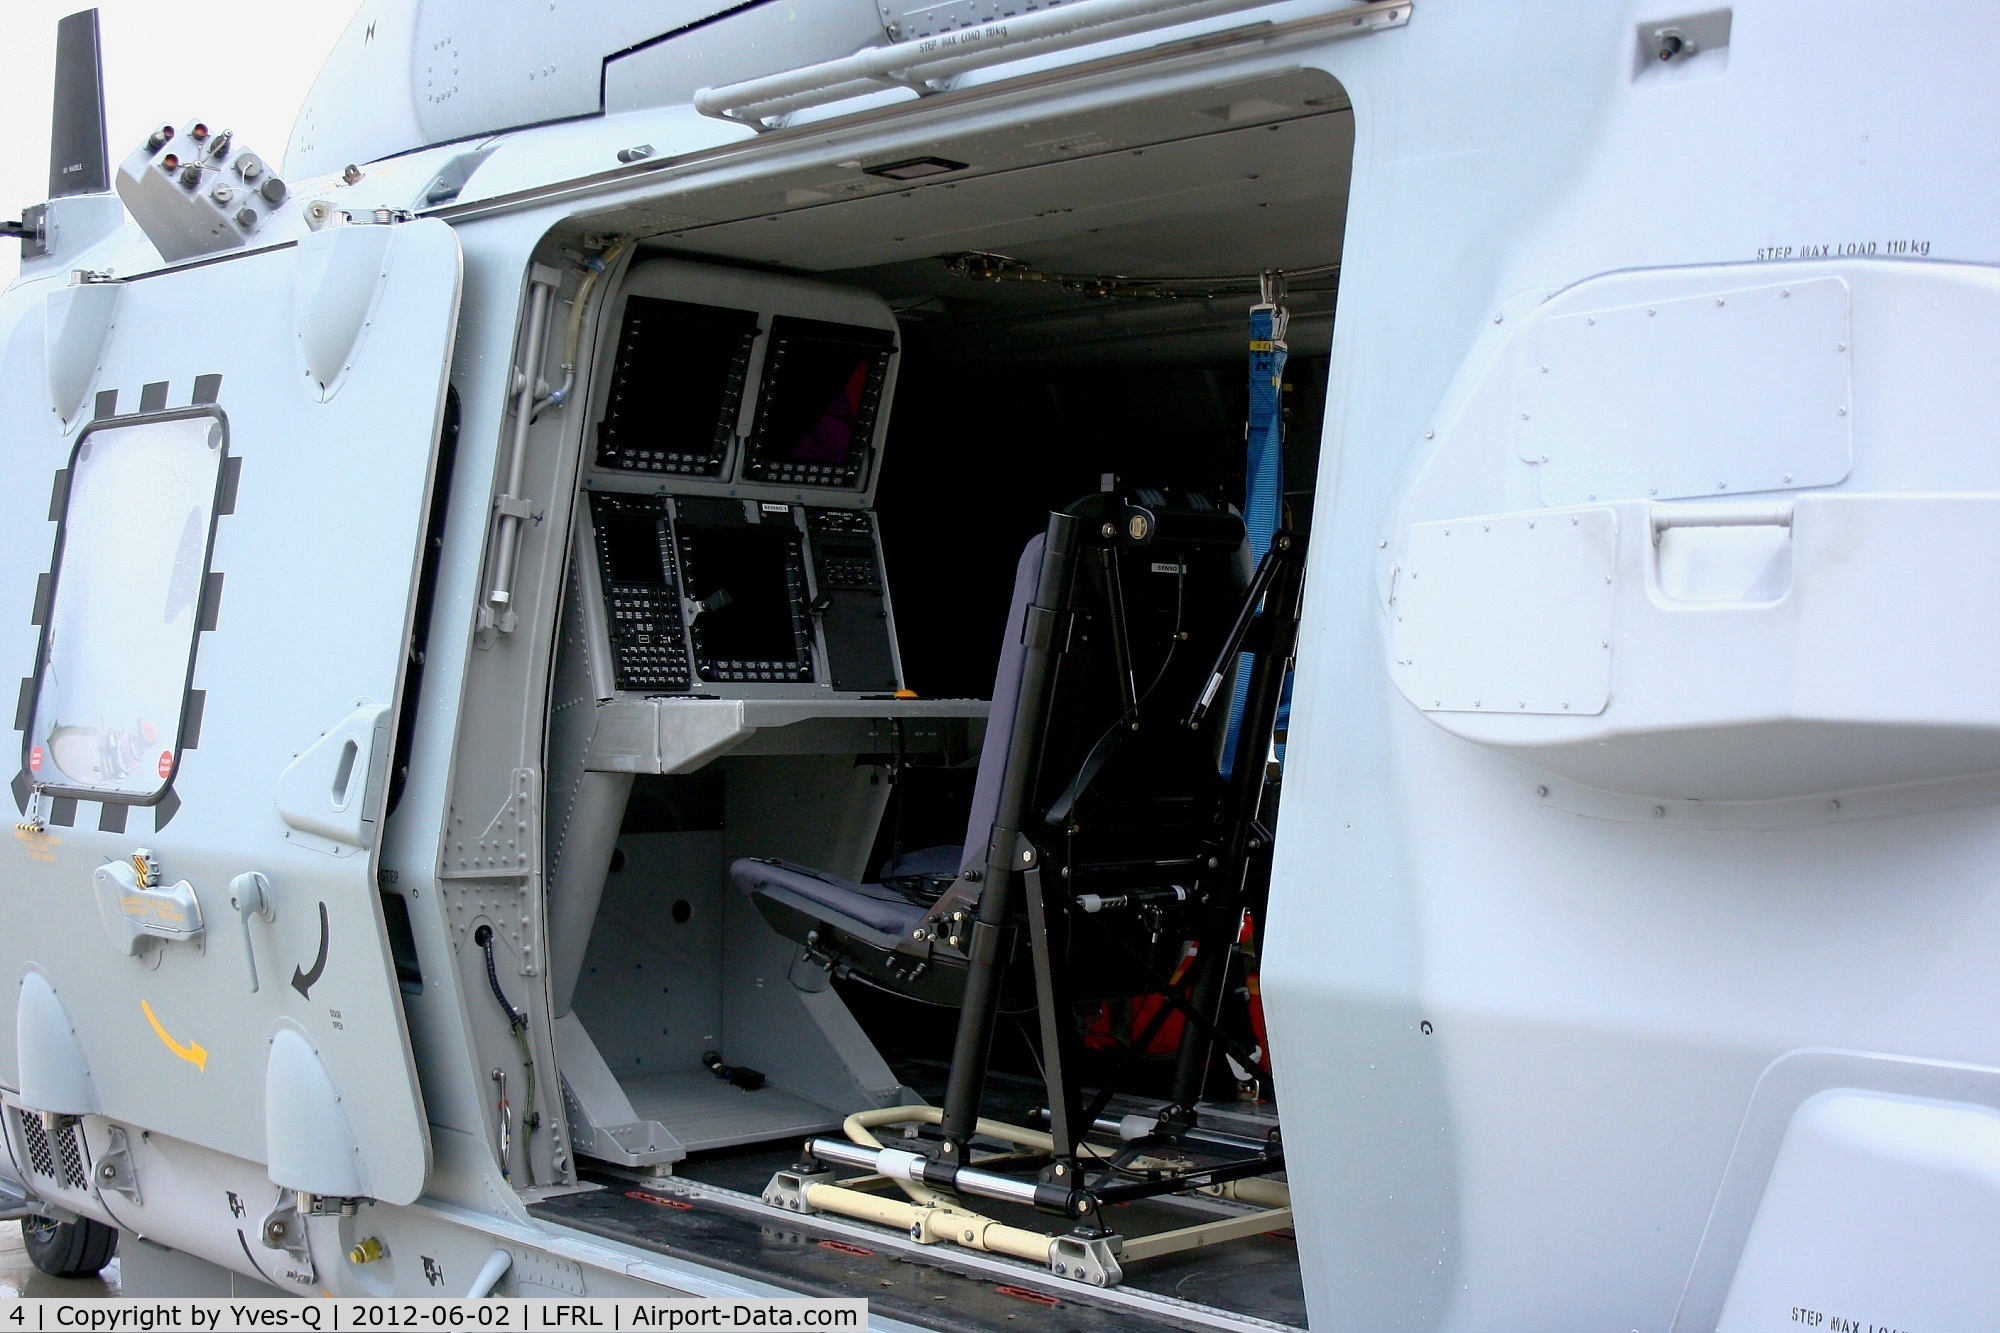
(210, 563)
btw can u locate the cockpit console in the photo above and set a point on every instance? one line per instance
(700, 591)
(737, 442)
(728, 606)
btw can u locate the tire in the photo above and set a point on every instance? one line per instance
(68, 1249)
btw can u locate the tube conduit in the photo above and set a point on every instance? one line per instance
(921, 61)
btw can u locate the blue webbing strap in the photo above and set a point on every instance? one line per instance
(1264, 472)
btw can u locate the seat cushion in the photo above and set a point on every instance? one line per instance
(930, 863)
(879, 909)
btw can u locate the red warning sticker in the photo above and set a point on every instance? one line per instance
(1023, 1294)
(166, 763)
(643, 1197)
(35, 759)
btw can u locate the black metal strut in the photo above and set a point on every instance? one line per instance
(1278, 585)
(990, 946)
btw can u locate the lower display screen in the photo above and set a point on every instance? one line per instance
(747, 580)
(632, 550)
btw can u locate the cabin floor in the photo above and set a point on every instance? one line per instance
(709, 1212)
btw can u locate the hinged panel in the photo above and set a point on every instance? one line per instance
(1720, 393)
(1510, 613)
(277, 593)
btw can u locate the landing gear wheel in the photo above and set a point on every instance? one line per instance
(68, 1249)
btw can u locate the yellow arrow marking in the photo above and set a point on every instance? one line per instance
(192, 1052)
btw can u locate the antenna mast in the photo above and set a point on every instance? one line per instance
(78, 161)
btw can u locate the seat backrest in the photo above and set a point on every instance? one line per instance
(1000, 722)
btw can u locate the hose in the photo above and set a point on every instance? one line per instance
(573, 334)
(517, 1022)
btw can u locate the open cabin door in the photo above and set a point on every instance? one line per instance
(219, 479)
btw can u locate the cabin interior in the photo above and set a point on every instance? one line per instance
(828, 413)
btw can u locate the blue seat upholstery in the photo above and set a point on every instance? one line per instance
(863, 908)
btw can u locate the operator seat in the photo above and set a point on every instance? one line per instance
(1122, 798)
(1111, 851)
(861, 925)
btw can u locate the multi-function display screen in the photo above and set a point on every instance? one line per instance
(642, 600)
(632, 552)
(817, 409)
(818, 404)
(676, 388)
(749, 583)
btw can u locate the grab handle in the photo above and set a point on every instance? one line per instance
(1776, 515)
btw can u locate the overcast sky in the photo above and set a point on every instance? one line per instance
(240, 64)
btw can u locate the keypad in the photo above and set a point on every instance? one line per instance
(734, 669)
(656, 460)
(848, 571)
(648, 645)
(806, 474)
(650, 651)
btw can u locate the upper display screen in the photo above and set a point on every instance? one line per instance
(676, 388)
(817, 409)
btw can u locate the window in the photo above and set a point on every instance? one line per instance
(119, 634)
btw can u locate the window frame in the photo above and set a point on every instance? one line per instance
(46, 603)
